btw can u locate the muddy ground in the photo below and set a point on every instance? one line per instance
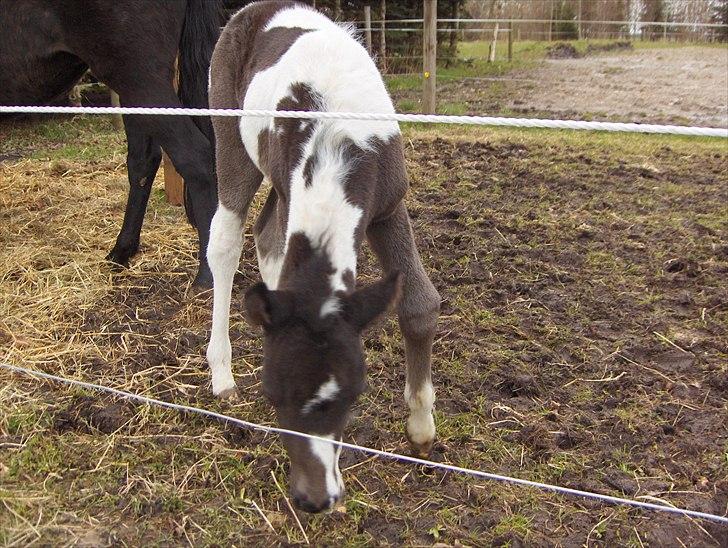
(687, 85)
(583, 342)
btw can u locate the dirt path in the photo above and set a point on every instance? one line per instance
(687, 86)
(682, 85)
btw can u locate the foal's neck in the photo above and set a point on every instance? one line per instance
(323, 222)
(309, 268)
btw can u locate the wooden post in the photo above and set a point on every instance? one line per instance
(382, 36)
(493, 45)
(337, 10)
(580, 16)
(368, 30)
(510, 41)
(551, 19)
(429, 54)
(116, 119)
(174, 184)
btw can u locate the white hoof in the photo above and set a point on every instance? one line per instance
(219, 356)
(421, 428)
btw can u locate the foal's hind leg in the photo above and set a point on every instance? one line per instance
(269, 242)
(418, 309)
(142, 161)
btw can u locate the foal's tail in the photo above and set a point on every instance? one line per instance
(200, 32)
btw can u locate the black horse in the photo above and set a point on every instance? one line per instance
(131, 45)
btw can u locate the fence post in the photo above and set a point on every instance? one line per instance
(580, 35)
(116, 119)
(551, 19)
(429, 54)
(510, 41)
(493, 45)
(368, 24)
(174, 184)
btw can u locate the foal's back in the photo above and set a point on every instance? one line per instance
(288, 56)
(315, 64)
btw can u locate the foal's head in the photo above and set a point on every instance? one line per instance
(313, 372)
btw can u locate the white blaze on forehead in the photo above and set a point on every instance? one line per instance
(327, 391)
(332, 305)
(328, 455)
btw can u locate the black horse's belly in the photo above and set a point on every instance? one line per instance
(34, 66)
(40, 81)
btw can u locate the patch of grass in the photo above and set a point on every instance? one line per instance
(515, 524)
(408, 105)
(456, 109)
(75, 138)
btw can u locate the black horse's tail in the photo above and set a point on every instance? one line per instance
(200, 32)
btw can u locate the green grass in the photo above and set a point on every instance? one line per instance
(73, 138)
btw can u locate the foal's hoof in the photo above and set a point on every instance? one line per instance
(421, 450)
(229, 394)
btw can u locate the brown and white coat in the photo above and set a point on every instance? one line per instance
(334, 183)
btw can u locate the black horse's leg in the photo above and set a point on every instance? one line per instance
(142, 161)
(192, 156)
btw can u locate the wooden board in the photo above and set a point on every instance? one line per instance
(174, 184)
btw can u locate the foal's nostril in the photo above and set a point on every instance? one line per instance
(303, 503)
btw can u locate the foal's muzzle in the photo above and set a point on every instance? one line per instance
(302, 502)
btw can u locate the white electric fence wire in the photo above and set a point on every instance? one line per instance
(393, 117)
(377, 452)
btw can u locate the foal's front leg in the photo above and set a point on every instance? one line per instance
(238, 180)
(223, 255)
(418, 309)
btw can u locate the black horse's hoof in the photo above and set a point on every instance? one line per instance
(118, 261)
(120, 255)
(203, 280)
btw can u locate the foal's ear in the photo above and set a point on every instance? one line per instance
(266, 308)
(365, 305)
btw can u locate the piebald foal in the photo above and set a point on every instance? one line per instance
(333, 183)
